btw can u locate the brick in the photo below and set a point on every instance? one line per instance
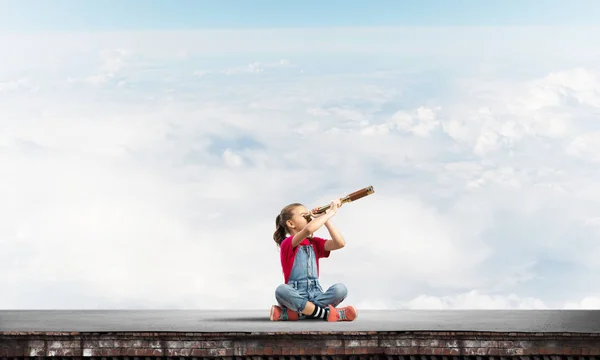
(391, 350)
(191, 344)
(394, 343)
(55, 345)
(450, 343)
(361, 343)
(399, 351)
(333, 343)
(36, 343)
(424, 351)
(468, 351)
(174, 352)
(36, 352)
(139, 352)
(360, 350)
(116, 343)
(494, 352)
(489, 344)
(528, 344)
(91, 352)
(174, 344)
(154, 344)
(471, 343)
(531, 351)
(224, 343)
(506, 344)
(246, 344)
(65, 352)
(431, 343)
(413, 350)
(220, 352)
(204, 352)
(106, 343)
(373, 350)
(139, 343)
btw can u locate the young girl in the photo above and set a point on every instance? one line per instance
(301, 296)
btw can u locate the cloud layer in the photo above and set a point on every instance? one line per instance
(145, 170)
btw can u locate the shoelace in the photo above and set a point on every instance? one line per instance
(342, 314)
(284, 314)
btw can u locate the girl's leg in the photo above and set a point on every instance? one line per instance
(333, 296)
(291, 298)
(295, 300)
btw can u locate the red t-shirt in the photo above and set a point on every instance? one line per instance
(288, 254)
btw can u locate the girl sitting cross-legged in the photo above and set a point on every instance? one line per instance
(301, 296)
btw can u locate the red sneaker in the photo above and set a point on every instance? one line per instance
(280, 314)
(347, 313)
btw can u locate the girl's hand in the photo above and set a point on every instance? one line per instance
(333, 207)
(312, 213)
(338, 203)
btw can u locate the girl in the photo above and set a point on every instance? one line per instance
(301, 295)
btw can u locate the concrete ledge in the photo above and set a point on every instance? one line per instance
(585, 321)
(145, 335)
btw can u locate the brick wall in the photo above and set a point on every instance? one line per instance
(445, 345)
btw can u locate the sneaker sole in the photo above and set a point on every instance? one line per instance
(355, 312)
(271, 313)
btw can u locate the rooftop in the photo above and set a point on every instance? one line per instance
(574, 321)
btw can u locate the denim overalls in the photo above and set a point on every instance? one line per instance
(303, 284)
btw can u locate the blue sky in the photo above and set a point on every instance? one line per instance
(177, 144)
(73, 15)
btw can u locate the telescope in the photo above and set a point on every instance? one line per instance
(359, 194)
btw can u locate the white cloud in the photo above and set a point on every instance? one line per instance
(15, 85)
(112, 62)
(587, 303)
(475, 300)
(232, 159)
(251, 68)
(585, 146)
(159, 178)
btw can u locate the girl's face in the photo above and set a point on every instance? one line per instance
(298, 220)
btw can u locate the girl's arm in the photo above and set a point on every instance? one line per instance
(314, 225)
(337, 240)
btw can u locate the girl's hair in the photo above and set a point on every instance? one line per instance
(280, 226)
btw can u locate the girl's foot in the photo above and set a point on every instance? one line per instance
(278, 314)
(347, 313)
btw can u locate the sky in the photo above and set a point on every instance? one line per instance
(106, 15)
(147, 151)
